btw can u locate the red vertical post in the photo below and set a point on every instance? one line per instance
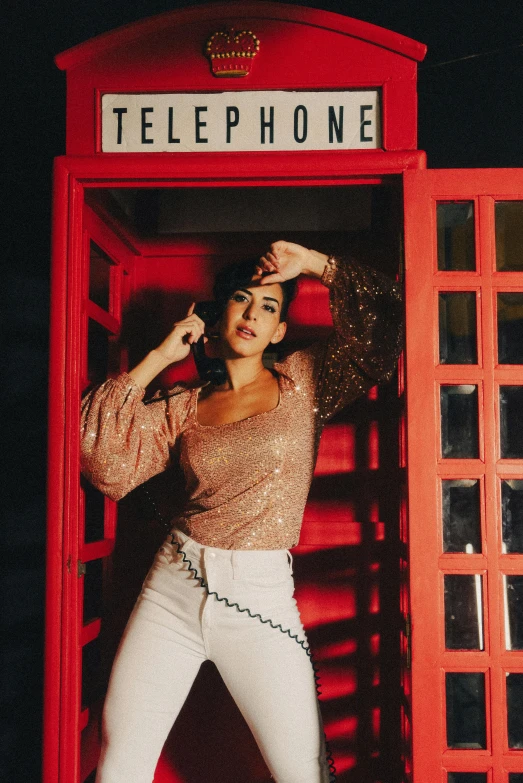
(56, 480)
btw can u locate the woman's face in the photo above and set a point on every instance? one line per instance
(251, 320)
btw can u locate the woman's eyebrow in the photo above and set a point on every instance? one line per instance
(270, 298)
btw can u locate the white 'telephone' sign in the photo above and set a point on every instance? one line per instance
(241, 121)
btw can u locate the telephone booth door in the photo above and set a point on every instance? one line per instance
(127, 283)
(464, 356)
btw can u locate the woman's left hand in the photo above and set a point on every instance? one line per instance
(286, 260)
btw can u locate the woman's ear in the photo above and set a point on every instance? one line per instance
(279, 334)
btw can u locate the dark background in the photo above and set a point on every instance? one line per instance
(470, 90)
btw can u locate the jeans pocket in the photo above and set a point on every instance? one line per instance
(261, 568)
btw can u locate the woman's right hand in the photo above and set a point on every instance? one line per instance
(177, 344)
(174, 348)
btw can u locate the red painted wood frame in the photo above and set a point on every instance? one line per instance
(67, 635)
(431, 556)
(69, 554)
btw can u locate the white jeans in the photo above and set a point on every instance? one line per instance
(176, 625)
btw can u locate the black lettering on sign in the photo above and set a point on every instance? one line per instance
(200, 124)
(119, 113)
(364, 122)
(170, 137)
(267, 124)
(335, 125)
(303, 111)
(233, 118)
(145, 125)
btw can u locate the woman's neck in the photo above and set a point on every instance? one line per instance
(242, 372)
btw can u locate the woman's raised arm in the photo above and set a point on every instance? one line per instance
(367, 314)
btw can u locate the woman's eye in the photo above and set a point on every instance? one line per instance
(270, 308)
(239, 298)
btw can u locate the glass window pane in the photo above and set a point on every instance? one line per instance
(509, 236)
(463, 612)
(97, 353)
(456, 245)
(467, 777)
(457, 328)
(510, 328)
(92, 675)
(511, 421)
(515, 777)
(512, 516)
(93, 590)
(461, 515)
(466, 726)
(459, 422)
(515, 710)
(99, 276)
(94, 503)
(513, 586)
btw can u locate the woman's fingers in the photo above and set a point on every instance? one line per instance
(194, 330)
(190, 329)
(276, 277)
(269, 263)
(268, 258)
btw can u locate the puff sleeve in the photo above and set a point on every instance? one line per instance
(363, 348)
(124, 442)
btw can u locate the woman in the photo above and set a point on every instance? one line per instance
(248, 449)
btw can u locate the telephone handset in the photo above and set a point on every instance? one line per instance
(209, 368)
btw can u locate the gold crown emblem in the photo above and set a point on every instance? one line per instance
(232, 53)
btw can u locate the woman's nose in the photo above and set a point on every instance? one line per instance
(250, 311)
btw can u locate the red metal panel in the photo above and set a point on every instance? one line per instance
(400, 127)
(430, 660)
(262, 169)
(124, 36)
(71, 608)
(55, 490)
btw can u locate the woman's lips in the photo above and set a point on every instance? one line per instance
(245, 332)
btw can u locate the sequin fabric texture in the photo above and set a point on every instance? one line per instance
(248, 481)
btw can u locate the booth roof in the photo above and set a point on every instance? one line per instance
(101, 44)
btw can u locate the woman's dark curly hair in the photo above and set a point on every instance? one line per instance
(239, 275)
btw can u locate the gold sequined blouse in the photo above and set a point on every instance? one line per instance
(248, 481)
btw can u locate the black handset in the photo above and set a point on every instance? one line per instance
(209, 368)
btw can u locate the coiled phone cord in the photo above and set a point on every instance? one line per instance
(244, 610)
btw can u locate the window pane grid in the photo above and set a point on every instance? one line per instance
(509, 319)
(466, 719)
(457, 327)
(467, 777)
(456, 236)
(511, 421)
(514, 696)
(459, 417)
(463, 599)
(461, 515)
(100, 277)
(509, 236)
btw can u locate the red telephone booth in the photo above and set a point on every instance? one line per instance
(200, 136)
